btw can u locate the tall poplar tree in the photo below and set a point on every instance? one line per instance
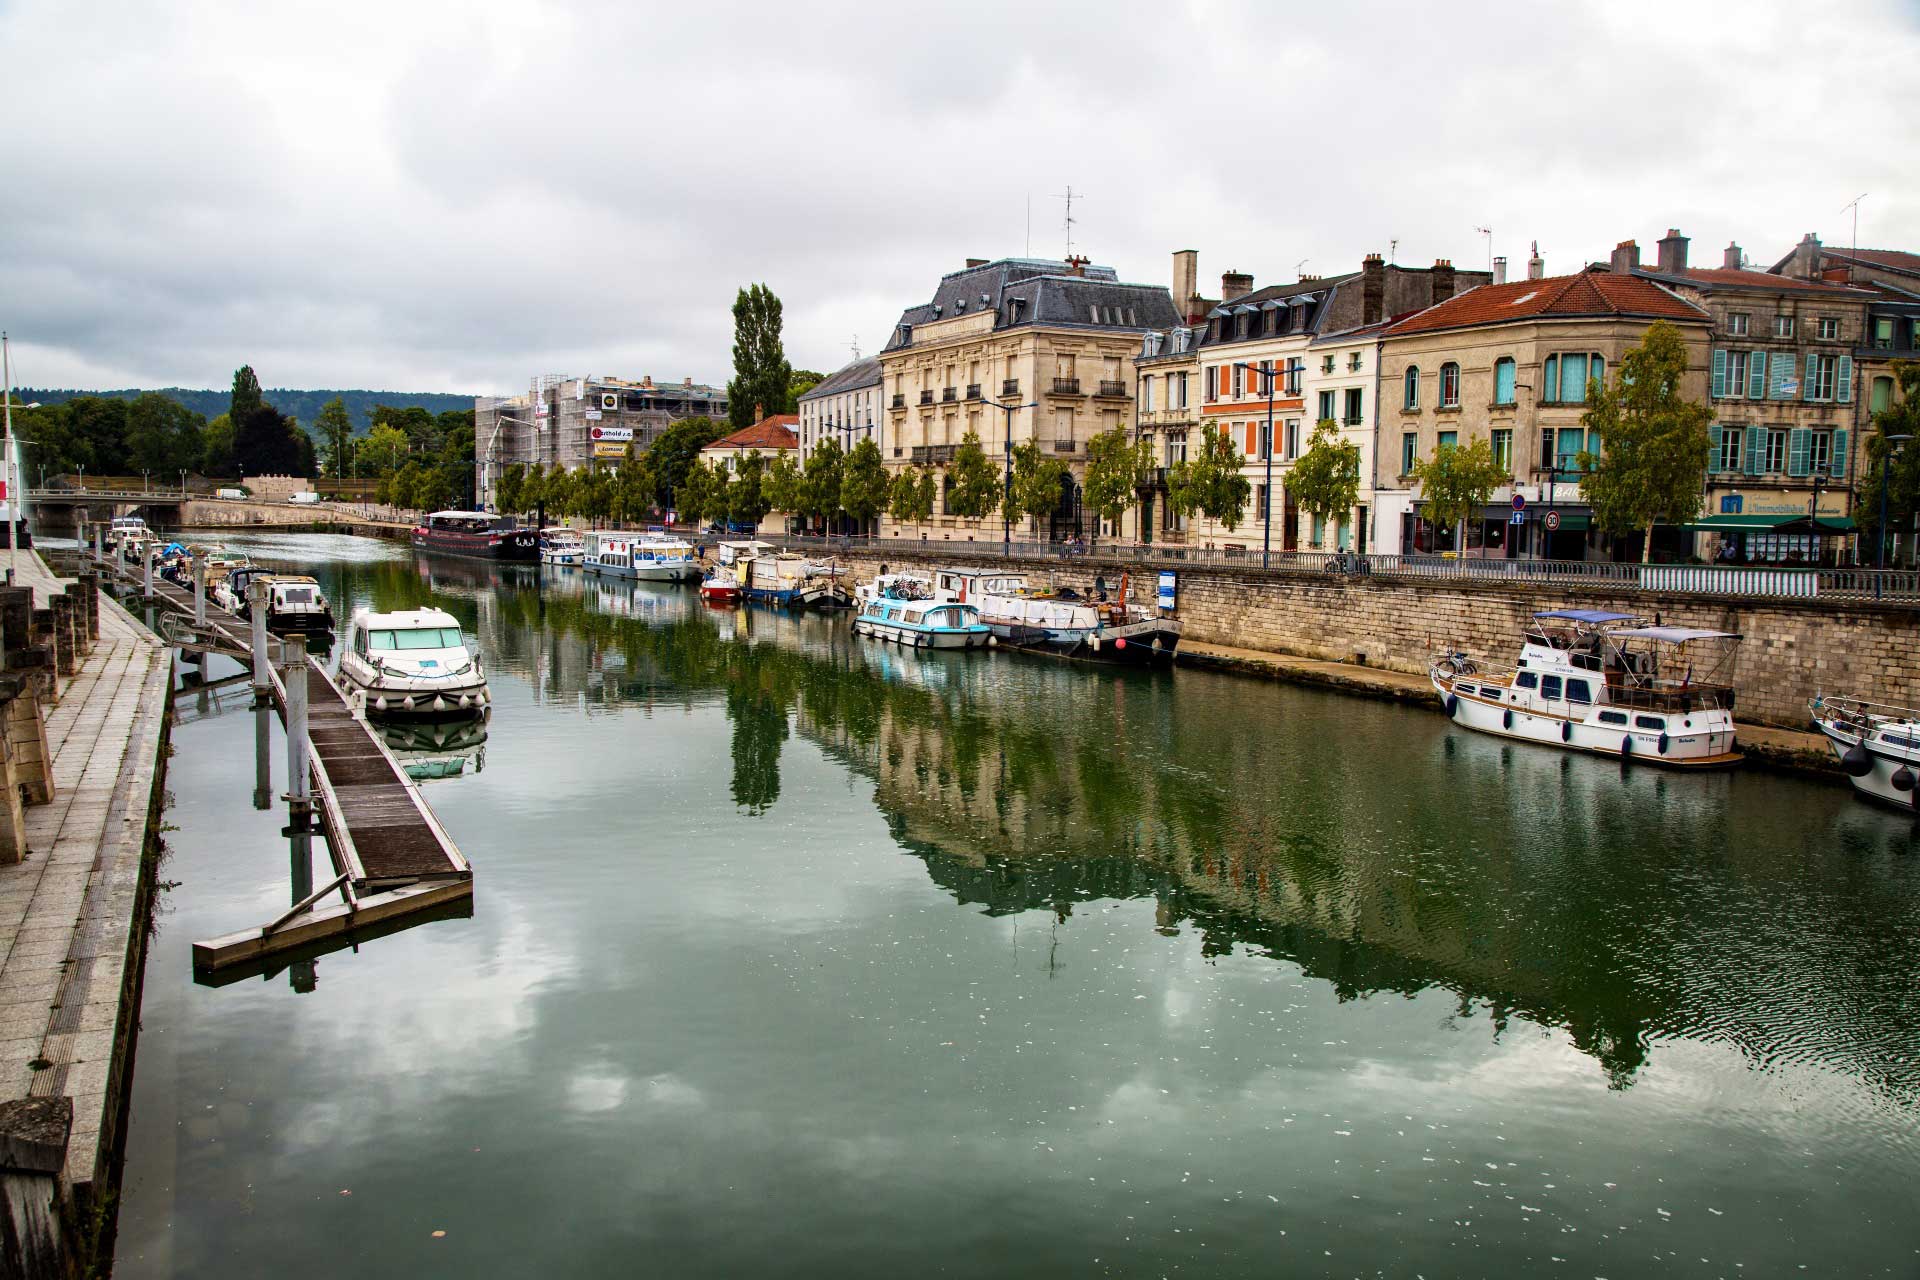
(762, 382)
(246, 396)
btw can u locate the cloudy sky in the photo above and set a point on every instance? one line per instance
(420, 195)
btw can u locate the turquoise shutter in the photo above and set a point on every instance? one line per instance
(1837, 461)
(1782, 369)
(1843, 381)
(1756, 451)
(1757, 375)
(1799, 449)
(1806, 383)
(1719, 373)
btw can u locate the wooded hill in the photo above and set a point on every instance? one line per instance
(302, 405)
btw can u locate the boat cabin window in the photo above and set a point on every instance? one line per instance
(1466, 688)
(916, 615)
(1526, 680)
(1899, 744)
(418, 638)
(1550, 687)
(1650, 722)
(295, 595)
(360, 643)
(1613, 717)
(1585, 661)
(1579, 691)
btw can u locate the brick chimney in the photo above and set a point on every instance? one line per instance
(1442, 279)
(975, 262)
(1806, 258)
(1235, 284)
(1373, 289)
(1076, 265)
(1673, 253)
(1500, 270)
(1626, 257)
(1186, 280)
(1733, 259)
(646, 381)
(1536, 265)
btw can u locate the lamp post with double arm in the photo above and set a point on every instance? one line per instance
(1880, 531)
(1006, 496)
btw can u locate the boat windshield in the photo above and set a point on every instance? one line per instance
(417, 638)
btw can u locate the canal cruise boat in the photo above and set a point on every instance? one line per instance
(475, 533)
(908, 610)
(1602, 682)
(561, 546)
(648, 557)
(1061, 622)
(1878, 746)
(412, 664)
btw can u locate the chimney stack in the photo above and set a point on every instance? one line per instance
(1442, 279)
(1733, 259)
(1626, 257)
(1373, 289)
(1076, 265)
(1235, 284)
(1806, 257)
(1186, 281)
(975, 262)
(1673, 253)
(1536, 266)
(1500, 270)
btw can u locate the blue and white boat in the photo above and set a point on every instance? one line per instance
(648, 557)
(783, 578)
(907, 610)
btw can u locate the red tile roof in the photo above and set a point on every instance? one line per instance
(776, 432)
(1742, 278)
(1892, 259)
(1590, 293)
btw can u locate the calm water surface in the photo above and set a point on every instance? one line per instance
(795, 955)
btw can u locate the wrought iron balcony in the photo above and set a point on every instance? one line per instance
(1113, 387)
(1010, 386)
(973, 391)
(1063, 446)
(948, 394)
(926, 397)
(933, 454)
(899, 400)
(1066, 386)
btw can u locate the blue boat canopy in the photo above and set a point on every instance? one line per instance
(1586, 615)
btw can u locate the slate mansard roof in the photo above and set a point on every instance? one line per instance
(1033, 291)
(852, 377)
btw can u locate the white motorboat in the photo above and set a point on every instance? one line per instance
(648, 557)
(1592, 680)
(561, 546)
(1878, 746)
(906, 609)
(411, 664)
(1061, 621)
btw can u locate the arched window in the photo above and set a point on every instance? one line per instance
(1449, 385)
(1503, 380)
(1412, 400)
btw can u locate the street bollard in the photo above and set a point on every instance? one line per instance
(199, 591)
(293, 650)
(257, 614)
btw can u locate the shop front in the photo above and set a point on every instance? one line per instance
(1534, 532)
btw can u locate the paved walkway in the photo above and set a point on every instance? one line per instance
(1770, 747)
(70, 954)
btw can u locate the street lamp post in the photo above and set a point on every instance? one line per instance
(1266, 504)
(1006, 497)
(1880, 533)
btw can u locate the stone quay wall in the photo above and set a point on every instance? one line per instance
(1792, 650)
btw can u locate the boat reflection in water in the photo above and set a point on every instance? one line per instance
(431, 750)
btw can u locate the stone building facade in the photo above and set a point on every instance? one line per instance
(1015, 350)
(846, 406)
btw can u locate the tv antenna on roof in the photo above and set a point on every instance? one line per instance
(856, 346)
(1068, 197)
(1854, 204)
(1488, 233)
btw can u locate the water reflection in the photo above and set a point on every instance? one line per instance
(430, 750)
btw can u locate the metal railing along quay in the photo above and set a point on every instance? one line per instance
(1887, 586)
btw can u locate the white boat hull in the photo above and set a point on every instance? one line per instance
(1878, 782)
(922, 637)
(1701, 739)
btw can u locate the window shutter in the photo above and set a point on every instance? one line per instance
(1843, 380)
(1806, 383)
(1781, 369)
(1799, 447)
(1757, 376)
(1837, 459)
(1756, 451)
(1719, 373)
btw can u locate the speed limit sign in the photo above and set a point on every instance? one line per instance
(1552, 521)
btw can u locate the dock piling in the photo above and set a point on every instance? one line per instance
(299, 786)
(146, 574)
(262, 756)
(257, 613)
(199, 591)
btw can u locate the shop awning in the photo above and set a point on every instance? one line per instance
(1832, 525)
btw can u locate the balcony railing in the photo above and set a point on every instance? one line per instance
(926, 397)
(1066, 386)
(1063, 446)
(948, 394)
(1010, 386)
(973, 391)
(899, 400)
(933, 454)
(1112, 387)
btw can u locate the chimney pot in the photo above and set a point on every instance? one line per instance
(1733, 259)
(1673, 253)
(1536, 266)
(1443, 279)
(1235, 284)
(1499, 270)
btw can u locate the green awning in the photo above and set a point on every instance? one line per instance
(1762, 523)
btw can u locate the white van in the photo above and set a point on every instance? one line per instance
(306, 498)
(229, 493)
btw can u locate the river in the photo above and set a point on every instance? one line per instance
(795, 955)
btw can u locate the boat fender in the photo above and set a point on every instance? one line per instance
(1121, 643)
(1663, 744)
(1566, 731)
(380, 703)
(993, 642)
(1506, 719)
(407, 702)
(1902, 779)
(1626, 746)
(1453, 704)
(1857, 762)
(1096, 644)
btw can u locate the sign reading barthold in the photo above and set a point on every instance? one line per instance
(617, 434)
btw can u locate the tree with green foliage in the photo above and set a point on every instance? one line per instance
(1210, 481)
(675, 452)
(820, 488)
(1117, 469)
(762, 382)
(632, 488)
(336, 432)
(510, 488)
(163, 436)
(703, 495)
(268, 442)
(977, 483)
(863, 486)
(784, 485)
(246, 397)
(1456, 483)
(595, 500)
(746, 497)
(420, 427)
(1898, 462)
(800, 382)
(1038, 482)
(382, 453)
(1654, 443)
(910, 496)
(1325, 480)
(533, 490)
(216, 451)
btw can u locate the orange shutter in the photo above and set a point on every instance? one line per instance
(1250, 441)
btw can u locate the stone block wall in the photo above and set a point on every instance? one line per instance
(1792, 650)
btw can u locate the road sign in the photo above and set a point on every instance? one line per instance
(1518, 517)
(1552, 521)
(1519, 502)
